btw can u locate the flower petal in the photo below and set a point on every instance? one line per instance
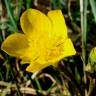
(25, 24)
(58, 23)
(35, 22)
(63, 50)
(15, 45)
(56, 54)
(59, 52)
(69, 49)
(34, 67)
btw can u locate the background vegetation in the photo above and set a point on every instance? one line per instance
(76, 75)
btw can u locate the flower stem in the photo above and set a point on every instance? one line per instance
(2, 20)
(28, 2)
(83, 11)
(38, 84)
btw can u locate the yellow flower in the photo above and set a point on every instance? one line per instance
(44, 42)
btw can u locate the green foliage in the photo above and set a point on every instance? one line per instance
(10, 14)
(93, 6)
(91, 66)
(58, 4)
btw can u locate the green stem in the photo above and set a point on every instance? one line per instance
(83, 10)
(20, 4)
(91, 86)
(10, 15)
(28, 2)
(38, 84)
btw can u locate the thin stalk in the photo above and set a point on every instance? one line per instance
(91, 86)
(28, 2)
(20, 4)
(2, 20)
(3, 27)
(7, 4)
(38, 84)
(83, 11)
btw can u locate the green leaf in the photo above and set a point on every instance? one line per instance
(93, 6)
(10, 14)
(91, 66)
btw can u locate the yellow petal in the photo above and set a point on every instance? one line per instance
(69, 49)
(63, 50)
(25, 24)
(58, 52)
(25, 60)
(37, 26)
(35, 22)
(34, 67)
(58, 23)
(15, 45)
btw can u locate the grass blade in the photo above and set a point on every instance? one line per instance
(93, 6)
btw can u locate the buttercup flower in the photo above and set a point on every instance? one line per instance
(44, 42)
